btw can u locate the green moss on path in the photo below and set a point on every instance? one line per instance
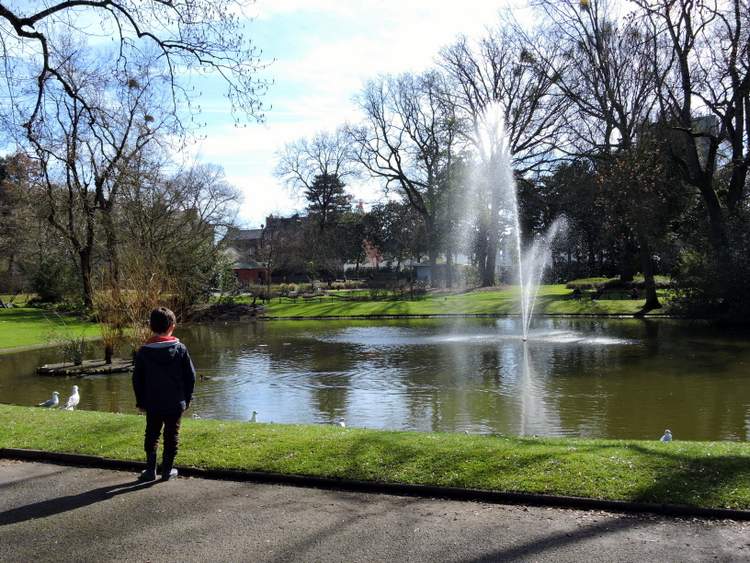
(704, 474)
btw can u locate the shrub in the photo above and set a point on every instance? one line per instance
(347, 284)
(615, 284)
(52, 280)
(74, 349)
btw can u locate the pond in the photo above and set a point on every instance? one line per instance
(610, 378)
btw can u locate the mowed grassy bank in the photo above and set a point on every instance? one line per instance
(552, 299)
(706, 474)
(21, 327)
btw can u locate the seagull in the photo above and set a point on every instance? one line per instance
(252, 418)
(51, 403)
(341, 423)
(73, 400)
(667, 436)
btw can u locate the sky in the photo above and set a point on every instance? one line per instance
(321, 53)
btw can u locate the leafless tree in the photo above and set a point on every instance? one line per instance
(604, 72)
(602, 68)
(187, 35)
(408, 141)
(16, 217)
(174, 221)
(318, 167)
(702, 65)
(504, 69)
(81, 151)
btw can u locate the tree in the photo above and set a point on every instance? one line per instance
(408, 141)
(174, 222)
(643, 173)
(504, 71)
(285, 249)
(326, 200)
(15, 215)
(505, 68)
(317, 168)
(398, 230)
(81, 151)
(605, 74)
(602, 69)
(704, 94)
(185, 35)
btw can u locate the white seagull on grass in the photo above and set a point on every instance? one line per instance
(51, 403)
(667, 436)
(73, 400)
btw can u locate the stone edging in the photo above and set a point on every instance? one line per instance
(426, 491)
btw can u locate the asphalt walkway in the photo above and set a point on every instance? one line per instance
(58, 513)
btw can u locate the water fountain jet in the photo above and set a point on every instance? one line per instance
(496, 159)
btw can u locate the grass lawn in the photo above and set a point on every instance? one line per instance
(552, 299)
(33, 327)
(707, 474)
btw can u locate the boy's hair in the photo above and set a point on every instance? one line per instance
(161, 319)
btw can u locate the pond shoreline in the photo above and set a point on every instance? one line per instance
(470, 316)
(41, 346)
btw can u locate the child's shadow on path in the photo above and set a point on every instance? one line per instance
(58, 505)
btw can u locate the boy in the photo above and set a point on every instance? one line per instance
(163, 381)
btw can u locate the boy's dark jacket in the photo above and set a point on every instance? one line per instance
(163, 378)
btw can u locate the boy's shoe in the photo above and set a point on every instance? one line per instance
(166, 475)
(147, 475)
(150, 473)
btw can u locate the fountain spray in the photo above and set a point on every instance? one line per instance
(497, 160)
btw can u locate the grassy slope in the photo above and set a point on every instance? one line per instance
(31, 327)
(553, 299)
(709, 474)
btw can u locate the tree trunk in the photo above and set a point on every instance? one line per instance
(481, 256)
(432, 260)
(84, 256)
(489, 274)
(449, 269)
(432, 249)
(647, 265)
(626, 261)
(111, 243)
(493, 238)
(108, 353)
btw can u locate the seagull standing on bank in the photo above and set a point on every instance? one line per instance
(667, 436)
(253, 418)
(73, 400)
(51, 403)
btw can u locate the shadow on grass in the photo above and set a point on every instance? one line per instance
(698, 482)
(659, 476)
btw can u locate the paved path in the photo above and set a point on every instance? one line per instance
(57, 513)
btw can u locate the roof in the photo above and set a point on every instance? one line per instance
(244, 234)
(249, 265)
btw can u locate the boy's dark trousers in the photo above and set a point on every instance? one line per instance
(171, 424)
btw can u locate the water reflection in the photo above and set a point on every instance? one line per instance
(579, 377)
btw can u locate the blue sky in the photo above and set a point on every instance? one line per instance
(323, 51)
